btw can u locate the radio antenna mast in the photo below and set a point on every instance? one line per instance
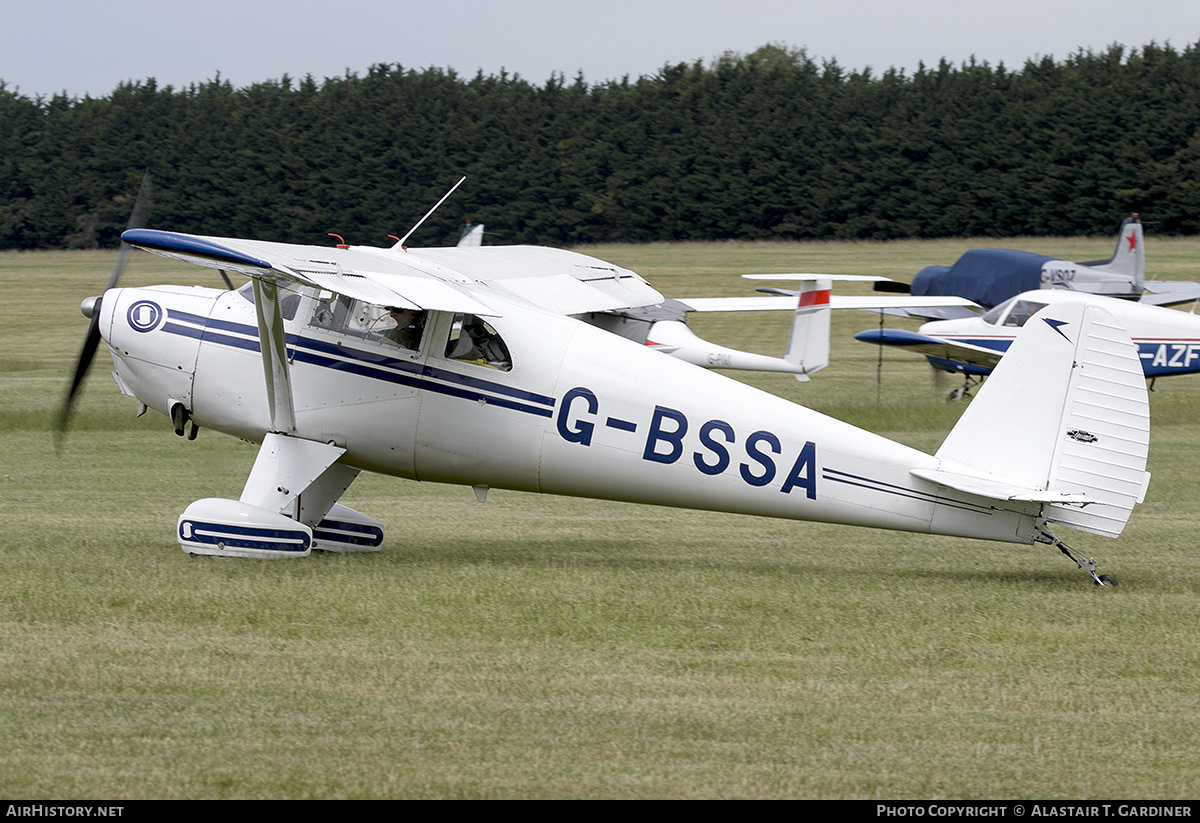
(400, 242)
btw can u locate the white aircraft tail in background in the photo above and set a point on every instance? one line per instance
(472, 235)
(807, 349)
(810, 301)
(808, 344)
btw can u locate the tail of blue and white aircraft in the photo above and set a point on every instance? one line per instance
(1078, 445)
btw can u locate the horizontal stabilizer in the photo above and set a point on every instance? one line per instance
(848, 278)
(996, 488)
(1169, 292)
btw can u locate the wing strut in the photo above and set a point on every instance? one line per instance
(274, 356)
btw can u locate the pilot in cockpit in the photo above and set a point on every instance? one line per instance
(474, 341)
(409, 326)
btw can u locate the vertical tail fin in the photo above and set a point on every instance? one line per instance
(472, 235)
(808, 344)
(1063, 419)
(1129, 258)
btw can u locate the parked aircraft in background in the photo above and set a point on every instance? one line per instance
(663, 326)
(1167, 340)
(991, 276)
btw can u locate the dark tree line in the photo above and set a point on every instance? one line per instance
(765, 145)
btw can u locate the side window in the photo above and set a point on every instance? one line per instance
(407, 327)
(369, 322)
(473, 340)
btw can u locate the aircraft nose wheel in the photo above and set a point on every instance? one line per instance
(963, 392)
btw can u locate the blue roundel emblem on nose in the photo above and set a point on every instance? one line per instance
(144, 316)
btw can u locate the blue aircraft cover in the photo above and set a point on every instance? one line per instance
(986, 276)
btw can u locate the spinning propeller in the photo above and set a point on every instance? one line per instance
(91, 307)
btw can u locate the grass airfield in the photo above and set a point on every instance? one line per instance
(540, 647)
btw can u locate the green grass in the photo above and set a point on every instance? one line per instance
(537, 647)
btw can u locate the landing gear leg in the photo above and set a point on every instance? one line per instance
(1088, 565)
(963, 392)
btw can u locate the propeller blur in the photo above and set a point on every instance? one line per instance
(91, 341)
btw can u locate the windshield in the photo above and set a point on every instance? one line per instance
(288, 301)
(1022, 310)
(1015, 312)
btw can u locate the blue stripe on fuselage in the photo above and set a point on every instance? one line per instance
(365, 363)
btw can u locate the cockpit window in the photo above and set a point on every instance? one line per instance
(1022, 310)
(473, 340)
(367, 321)
(1015, 313)
(289, 301)
(995, 313)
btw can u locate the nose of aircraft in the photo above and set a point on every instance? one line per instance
(90, 309)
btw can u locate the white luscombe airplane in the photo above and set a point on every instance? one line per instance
(469, 365)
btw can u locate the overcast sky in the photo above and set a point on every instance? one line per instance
(89, 46)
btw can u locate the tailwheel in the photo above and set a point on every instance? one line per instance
(1088, 565)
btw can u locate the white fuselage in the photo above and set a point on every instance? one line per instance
(581, 412)
(1168, 340)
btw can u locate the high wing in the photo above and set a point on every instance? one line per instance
(785, 299)
(932, 347)
(905, 303)
(457, 279)
(559, 281)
